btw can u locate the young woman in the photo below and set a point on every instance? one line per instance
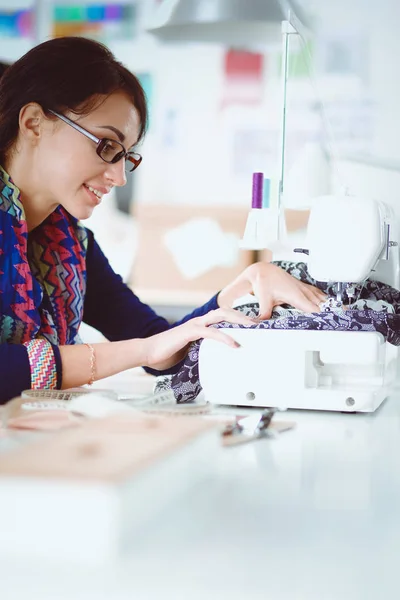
(71, 117)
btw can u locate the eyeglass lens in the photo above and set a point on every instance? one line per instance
(112, 151)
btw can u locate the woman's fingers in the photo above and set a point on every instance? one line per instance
(313, 294)
(302, 297)
(266, 306)
(320, 296)
(305, 303)
(219, 336)
(225, 314)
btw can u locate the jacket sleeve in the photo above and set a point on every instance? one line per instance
(15, 370)
(112, 308)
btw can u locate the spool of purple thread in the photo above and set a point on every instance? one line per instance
(257, 195)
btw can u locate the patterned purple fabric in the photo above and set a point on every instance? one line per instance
(377, 308)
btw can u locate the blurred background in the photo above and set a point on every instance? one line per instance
(215, 118)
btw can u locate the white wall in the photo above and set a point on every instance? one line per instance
(188, 86)
(188, 125)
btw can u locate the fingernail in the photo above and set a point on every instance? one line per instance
(236, 344)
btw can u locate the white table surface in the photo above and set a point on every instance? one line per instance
(312, 515)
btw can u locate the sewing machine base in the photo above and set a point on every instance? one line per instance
(312, 370)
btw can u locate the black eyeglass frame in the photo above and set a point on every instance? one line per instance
(133, 157)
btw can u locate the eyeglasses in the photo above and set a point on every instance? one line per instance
(109, 150)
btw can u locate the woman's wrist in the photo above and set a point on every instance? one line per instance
(226, 296)
(139, 350)
(221, 300)
(150, 347)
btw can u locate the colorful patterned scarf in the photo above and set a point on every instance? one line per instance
(42, 274)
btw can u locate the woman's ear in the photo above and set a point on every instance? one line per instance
(32, 121)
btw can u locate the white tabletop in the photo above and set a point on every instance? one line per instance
(314, 514)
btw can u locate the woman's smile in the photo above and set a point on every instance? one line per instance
(94, 195)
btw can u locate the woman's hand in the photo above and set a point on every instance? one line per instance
(169, 347)
(272, 286)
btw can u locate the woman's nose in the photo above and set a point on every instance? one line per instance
(115, 172)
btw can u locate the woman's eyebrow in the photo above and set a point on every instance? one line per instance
(119, 133)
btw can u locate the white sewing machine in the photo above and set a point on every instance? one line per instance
(348, 240)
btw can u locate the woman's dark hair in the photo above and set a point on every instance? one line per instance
(3, 67)
(64, 74)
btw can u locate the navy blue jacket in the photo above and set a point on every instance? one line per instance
(110, 307)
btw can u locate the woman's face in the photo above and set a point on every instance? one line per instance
(70, 171)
